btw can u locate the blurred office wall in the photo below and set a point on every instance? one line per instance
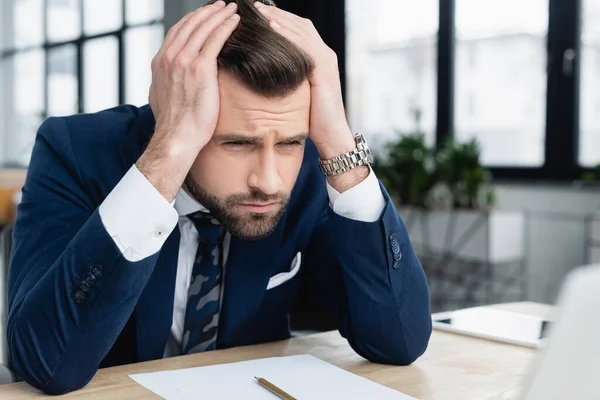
(557, 233)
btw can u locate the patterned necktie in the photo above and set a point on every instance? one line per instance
(202, 310)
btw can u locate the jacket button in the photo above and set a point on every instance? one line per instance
(394, 243)
(96, 270)
(90, 279)
(79, 297)
(396, 251)
(84, 287)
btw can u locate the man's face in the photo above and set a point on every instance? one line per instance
(246, 173)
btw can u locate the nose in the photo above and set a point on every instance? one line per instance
(265, 175)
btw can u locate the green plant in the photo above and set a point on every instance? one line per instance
(460, 168)
(591, 176)
(410, 170)
(407, 169)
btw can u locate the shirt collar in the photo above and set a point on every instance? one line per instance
(186, 204)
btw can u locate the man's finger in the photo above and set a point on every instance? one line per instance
(215, 42)
(176, 39)
(200, 35)
(288, 20)
(288, 34)
(175, 29)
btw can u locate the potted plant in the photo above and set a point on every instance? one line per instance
(459, 167)
(446, 193)
(420, 176)
(446, 199)
(407, 169)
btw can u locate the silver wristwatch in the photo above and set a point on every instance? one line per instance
(350, 160)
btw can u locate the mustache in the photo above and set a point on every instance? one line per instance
(257, 196)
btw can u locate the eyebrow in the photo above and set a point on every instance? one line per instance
(236, 137)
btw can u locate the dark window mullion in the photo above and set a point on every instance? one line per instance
(121, 57)
(46, 88)
(121, 61)
(80, 71)
(445, 85)
(563, 91)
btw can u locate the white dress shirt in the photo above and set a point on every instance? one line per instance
(140, 219)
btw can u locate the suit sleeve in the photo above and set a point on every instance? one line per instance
(368, 277)
(70, 289)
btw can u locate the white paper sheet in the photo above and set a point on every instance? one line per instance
(304, 377)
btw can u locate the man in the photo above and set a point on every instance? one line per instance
(189, 225)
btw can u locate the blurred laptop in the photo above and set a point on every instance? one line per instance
(568, 367)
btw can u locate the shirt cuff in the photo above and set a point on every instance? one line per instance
(137, 216)
(364, 202)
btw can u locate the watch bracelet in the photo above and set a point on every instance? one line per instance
(348, 161)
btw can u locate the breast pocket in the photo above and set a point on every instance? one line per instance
(285, 276)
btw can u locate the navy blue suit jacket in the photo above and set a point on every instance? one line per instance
(60, 331)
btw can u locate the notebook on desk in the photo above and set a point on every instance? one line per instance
(495, 324)
(303, 377)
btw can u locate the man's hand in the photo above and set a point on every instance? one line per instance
(184, 95)
(329, 128)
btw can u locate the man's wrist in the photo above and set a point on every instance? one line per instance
(349, 179)
(345, 163)
(165, 169)
(346, 181)
(343, 142)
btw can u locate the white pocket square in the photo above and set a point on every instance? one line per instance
(283, 277)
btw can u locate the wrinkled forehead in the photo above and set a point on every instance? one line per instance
(244, 109)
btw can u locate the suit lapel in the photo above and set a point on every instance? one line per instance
(154, 312)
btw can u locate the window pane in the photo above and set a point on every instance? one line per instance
(139, 11)
(5, 28)
(392, 68)
(589, 123)
(62, 81)
(63, 20)
(102, 16)
(28, 22)
(28, 103)
(501, 79)
(101, 74)
(141, 46)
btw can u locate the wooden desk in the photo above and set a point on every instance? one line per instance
(454, 367)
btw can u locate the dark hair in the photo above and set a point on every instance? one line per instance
(261, 58)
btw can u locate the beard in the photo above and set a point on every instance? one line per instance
(244, 225)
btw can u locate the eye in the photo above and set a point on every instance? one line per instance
(238, 143)
(291, 143)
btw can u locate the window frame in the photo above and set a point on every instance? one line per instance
(562, 102)
(8, 53)
(562, 109)
(561, 161)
